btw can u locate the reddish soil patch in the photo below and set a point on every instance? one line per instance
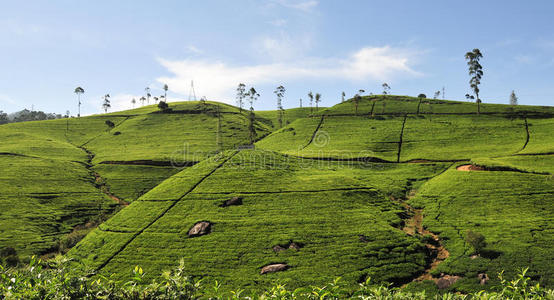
(468, 168)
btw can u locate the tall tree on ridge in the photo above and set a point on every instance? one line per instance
(386, 88)
(342, 96)
(253, 96)
(280, 93)
(241, 94)
(106, 103)
(134, 102)
(79, 90)
(147, 89)
(476, 73)
(165, 92)
(513, 98)
(142, 99)
(317, 100)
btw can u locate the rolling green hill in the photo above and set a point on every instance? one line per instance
(387, 191)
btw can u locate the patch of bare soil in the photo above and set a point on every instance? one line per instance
(468, 168)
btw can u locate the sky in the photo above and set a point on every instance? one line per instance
(47, 48)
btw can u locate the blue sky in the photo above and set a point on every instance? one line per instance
(120, 47)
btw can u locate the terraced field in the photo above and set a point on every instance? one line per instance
(333, 193)
(284, 200)
(61, 174)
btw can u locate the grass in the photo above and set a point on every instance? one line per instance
(461, 137)
(176, 137)
(284, 199)
(512, 210)
(129, 182)
(526, 163)
(43, 199)
(406, 104)
(271, 117)
(323, 180)
(541, 139)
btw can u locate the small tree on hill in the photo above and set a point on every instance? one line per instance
(436, 95)
(142, 99)
(476, 73)
(317, 100)
(513, 98)
(253, 96)
(386, 88)
(79, 91)
(241, 94)
(165, 92)
(106, 105)
(280, 93)
(342, 96)
(155, 99)
(476, 240)
(300, 102)
(133, 101)
(147, 90)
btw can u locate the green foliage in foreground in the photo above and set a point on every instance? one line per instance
(54, 280)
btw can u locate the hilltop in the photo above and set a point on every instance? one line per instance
(385, 188)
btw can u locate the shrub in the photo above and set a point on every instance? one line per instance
(422, 96)
(8, 257)
(163, 106)
(110, 124)
(476, 240)
(56, 280)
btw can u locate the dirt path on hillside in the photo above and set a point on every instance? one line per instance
(413, 225)
(99, 181)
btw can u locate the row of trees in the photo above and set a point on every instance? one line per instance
(473, 61)
(147, 96)
(106, 104)
(27, 115)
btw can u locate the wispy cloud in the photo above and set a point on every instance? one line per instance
(218, 80)
(193, 49)
(305, 6)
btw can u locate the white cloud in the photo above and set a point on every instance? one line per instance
(305, 6)
(218, 80)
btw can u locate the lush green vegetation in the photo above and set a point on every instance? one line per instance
(512, 210)
(44, 199)
(271, 117)
(332, 193)
(55, 280)
(285, 199)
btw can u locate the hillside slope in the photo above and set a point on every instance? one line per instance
(387, 191)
